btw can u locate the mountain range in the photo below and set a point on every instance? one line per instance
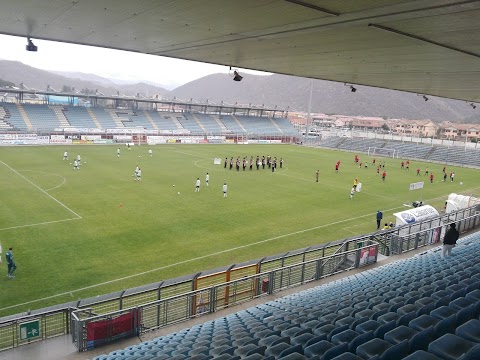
(286, 92)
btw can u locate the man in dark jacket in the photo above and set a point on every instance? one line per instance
(450, 240)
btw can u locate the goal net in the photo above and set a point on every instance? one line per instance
(376, 151)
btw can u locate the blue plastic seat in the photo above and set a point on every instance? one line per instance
(347, 356)
(374, 347)
(445, 326)
(396, 352)
(359, 340)
(421, 355)
(310, 324)
(408, 308)
(334, 351)
(399, 334)
(222, 349)
(466, 314)
(244, 350)
(475, 294)
(293, 349)
(461, 303)
(443, 312)
(317, 349)
(369, 325)
(338, 329)
(300, 339)
(292, 356)
(450, 347)
(345, 336)
(423, 322)
(472, 354)
(364, 313)
(324, 330)
(348, 320)
(470, 330)
(384, 328)
(388, 317)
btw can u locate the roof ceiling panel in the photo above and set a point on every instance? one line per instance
(426, 46)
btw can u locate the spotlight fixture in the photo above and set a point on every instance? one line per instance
(236, 76)
(425, 98)
(30, 46)
(473, 105)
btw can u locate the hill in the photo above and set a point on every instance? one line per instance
(328, 97)
(18, 73)
(281, 90)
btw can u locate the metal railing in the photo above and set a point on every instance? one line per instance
(233, 284)
(160, 313)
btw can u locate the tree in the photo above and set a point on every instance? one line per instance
(66, 88)
(385, 127)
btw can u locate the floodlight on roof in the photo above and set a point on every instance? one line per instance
(30, 46)
(425, 98)
(235, 75)
(473, 105)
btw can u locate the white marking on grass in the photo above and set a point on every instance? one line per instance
(191, 260)
(43, 191)
(37, 224)
(43, 172)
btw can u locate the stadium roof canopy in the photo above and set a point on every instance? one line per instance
(421, 46)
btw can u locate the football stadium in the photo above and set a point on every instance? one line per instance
(167, 229)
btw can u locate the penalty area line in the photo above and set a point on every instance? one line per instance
(37, 224)
(43, 191)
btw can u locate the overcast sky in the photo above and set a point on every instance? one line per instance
(113, 64)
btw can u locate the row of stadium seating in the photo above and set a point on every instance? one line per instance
(407, 150)
(44, 118)
(421, 308)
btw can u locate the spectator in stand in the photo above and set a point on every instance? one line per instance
(449, 241)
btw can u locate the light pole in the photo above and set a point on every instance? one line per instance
(309, 110)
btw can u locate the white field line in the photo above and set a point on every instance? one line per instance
(43, 191)
(37, 224)
(43, 172)
(193, 259)
(198, 258)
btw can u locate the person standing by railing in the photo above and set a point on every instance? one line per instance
(379, 219)
(449, 241)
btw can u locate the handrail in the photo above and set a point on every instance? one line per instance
(247, 287)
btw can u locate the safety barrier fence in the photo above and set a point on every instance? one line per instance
(190, 296)
(90, 331)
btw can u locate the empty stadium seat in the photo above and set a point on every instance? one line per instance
(450, 347)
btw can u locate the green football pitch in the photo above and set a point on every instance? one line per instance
(78, 234)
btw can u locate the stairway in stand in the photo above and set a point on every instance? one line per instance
(25, 117)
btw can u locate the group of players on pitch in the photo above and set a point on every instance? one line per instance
(268, 161)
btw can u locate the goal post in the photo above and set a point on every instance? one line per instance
(376, 151)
